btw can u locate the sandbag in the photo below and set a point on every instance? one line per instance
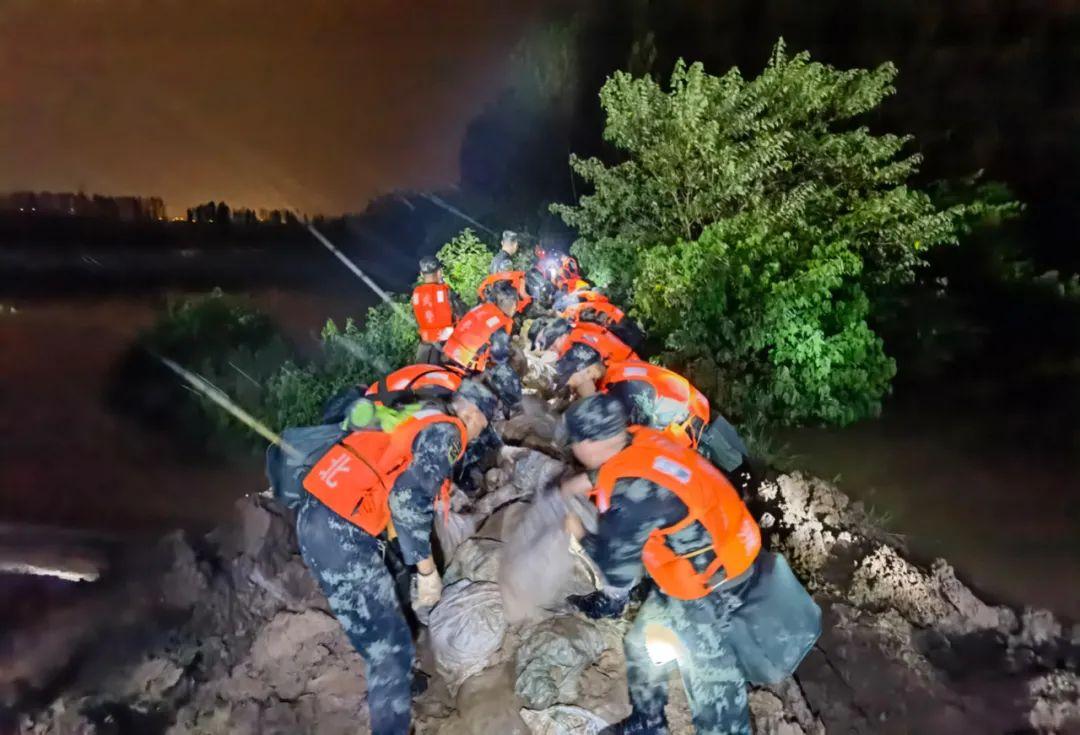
(563, 720)
(777, 623)
(286, 472)
(536, 566)
(466, 628)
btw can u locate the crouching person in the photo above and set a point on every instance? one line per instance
(384, 479)
(666, 512)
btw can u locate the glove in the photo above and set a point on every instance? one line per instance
(598, 604)
(428, 591)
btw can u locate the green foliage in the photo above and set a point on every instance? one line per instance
(221, 338)
(357, 354)
(465, 260)
(750, 223)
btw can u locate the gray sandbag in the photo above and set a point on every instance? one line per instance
(563, 720)
(476, 559)
(536, 566)
(549, 663)
(466, 629)
(777, 623)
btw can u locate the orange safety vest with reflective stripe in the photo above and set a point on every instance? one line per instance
(516, 279)
(433, 310)
(610, 347)
(414, 377)
(667, 384)
(734, 538)
(467, 345)
(575, 312)
(354, 478)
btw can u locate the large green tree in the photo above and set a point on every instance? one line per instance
(752, 224)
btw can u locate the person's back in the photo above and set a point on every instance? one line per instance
(666, 513)
(436, 308)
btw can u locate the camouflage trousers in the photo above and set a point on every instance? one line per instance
(351, 570)
(505, 384)
(711, 675)
(429, 353)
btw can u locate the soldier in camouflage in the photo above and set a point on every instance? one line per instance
(715, 684)
(499, 375)
(353, 568)
(504, 259)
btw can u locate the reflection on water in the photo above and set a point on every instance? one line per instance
(985, 476)
(65, 459)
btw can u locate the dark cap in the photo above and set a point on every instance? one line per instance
(577, 358)
(538, 287)
(548, 332)
(429, 265)
(510, 235)
(594, 418)
(479, 395)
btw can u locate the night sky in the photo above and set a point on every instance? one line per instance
(316, 104)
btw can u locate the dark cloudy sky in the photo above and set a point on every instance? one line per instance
(317, 104)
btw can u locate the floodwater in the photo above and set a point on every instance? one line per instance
(985, 474)
(67, 460)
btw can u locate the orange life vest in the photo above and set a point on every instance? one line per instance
(516, 279)
(467, 345)
(433, 310)
(734, 536)
(667, 384)
(354, 478)
(575, 312)
(413, 377)
(610, 347)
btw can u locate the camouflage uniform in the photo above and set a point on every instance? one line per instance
(713, 679)
(499, 376)
(352, 569)
(501, 263)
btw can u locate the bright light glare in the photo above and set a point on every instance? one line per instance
(662, 644)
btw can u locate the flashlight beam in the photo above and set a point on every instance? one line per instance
(349, 264)
(215, 394)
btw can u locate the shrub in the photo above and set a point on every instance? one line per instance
(752, 224)
(465, 260)
(357, 354)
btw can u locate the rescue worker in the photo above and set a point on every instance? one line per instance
(588, 305)
(603, 340)
(650, 395)
(666, 513)
(350, 514)
(436, 308)
(561, 269)
(663, 399)
(480, 344)
(504, 259)
(433, 380)
(515, 279)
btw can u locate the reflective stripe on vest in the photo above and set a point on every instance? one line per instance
(734, 538)
(516, 279)
(575, 312)
(610, 347)
(355, 476)
(414, 377)
(668, 385)
(433, 311)
(467, 345)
